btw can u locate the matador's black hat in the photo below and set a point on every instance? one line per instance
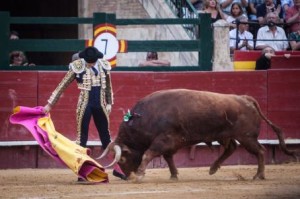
(90, 54)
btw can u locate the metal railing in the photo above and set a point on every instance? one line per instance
(203, 45)
(254, 25)
(185, 10)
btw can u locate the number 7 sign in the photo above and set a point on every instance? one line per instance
(106, 42)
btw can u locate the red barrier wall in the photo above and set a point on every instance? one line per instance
(284, 101)
(277, 91)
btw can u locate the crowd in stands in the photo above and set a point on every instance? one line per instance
(263, 23)
(254, 25)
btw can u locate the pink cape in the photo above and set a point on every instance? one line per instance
(56, 145)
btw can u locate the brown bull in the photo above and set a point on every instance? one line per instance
(166, 121)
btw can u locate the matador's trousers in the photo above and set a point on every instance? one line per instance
(93, 108)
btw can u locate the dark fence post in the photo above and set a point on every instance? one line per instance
(4, 40)
(206, 42)
(100, 18)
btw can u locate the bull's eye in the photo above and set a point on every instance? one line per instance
(122, 160)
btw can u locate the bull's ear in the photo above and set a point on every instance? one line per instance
(125, 149)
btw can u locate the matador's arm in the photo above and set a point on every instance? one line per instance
(69, 77)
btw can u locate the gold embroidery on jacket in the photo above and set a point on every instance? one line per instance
(81, 106)
(69, 77)
(103, 79)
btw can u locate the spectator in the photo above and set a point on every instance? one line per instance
(152, 60)
(198, 4)
(245, 38)
(13, 35)
(252, 8)
(236, 12)
(227, 4)
(292, 17)
(264, 61)
(294, 38)
(18, 58)
(286, 4)
(186, 12)
(271, 35)
(92, 74)
(267, 7)
(211, 7)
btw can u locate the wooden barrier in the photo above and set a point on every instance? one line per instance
(34, 88)
(281, 61)
(277, 91)
(245, 60)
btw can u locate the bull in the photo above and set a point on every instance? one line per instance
(165, 121)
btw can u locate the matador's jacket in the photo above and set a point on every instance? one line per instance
(86, 79)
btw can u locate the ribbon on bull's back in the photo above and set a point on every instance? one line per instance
(58, 146)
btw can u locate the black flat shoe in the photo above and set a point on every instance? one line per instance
(85, 182)
(119, 175)
(81, 181)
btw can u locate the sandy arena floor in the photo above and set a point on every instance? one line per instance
(230, 182)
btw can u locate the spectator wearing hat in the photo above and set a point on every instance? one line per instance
(92, 74)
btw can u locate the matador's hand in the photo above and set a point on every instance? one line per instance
(108, 108)
(47, 108)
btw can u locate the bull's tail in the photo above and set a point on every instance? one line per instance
(275, 128)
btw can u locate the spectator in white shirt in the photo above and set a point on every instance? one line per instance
(245, 38)
(273, 35)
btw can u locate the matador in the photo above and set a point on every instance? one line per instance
(92, 74)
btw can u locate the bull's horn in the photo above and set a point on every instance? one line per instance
(107, 150)
(118, 153)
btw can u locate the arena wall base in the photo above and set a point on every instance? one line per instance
(205, 156)
(34, 157)
(16, 157)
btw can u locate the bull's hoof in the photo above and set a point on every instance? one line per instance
(173, 178)
(136, 178)
(139, 178)
(132, 176)
(259, 176)
(213, 169)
